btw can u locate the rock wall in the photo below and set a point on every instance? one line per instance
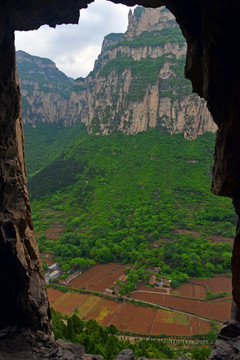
(24, 299)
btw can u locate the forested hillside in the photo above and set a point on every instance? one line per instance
(140, 199)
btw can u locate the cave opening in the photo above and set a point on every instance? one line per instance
(163, 77)
(211, 33)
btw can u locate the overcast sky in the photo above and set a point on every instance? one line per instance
(75, 47)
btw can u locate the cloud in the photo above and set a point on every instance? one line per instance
(74, 48)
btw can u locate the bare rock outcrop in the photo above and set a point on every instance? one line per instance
(137, 83)
(22, 344)
(24, 298)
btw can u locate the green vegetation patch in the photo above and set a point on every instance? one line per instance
(133, 199)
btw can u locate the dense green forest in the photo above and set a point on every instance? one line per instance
(138, 199)
(106, 342)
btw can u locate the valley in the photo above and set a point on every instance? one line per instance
(173, 230)
(167, 306)
(119, 176)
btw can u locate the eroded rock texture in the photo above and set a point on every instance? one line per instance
(23, 300)
(22, 344)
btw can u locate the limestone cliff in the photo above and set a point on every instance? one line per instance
(45, 90)
(137, 83)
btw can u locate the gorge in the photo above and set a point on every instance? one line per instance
(211, 32)
(137, 84)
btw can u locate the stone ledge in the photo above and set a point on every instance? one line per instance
(227, 346)
(25, 344)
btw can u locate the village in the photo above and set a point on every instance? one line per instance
(54, 272)
(155, 281)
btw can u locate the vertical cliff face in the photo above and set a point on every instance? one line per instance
(24, 298)
(137, 83)
(45, 90)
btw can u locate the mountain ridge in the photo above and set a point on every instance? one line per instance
(137, 83)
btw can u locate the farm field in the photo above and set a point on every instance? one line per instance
(215, 310)
(195, 288)
(189, 298)
(190, 290)
(99, 277)
(127, 316)
(215, 284)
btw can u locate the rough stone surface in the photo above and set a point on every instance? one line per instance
(29, 14)
(126, 354)
(24, 299)
(227, 347)
(23, 344)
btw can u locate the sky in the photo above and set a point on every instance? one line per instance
(74, 48)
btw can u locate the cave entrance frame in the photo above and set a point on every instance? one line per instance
(207, 56)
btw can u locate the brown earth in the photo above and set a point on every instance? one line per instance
(215, 284)
(99, 277)
(171, 323)
(66, 303)
(217, 310)
(127, 316)
(191, 291)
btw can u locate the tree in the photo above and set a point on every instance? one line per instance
(200, 353)
(211, 337)
(70, 329)
(112, 329)
(78, 324)
(111, 349)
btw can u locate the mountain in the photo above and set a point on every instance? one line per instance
(45, 90)
(137, 83)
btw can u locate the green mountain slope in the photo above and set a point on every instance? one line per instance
(142, 199)
(46, 141)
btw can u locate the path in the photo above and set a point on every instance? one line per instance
(132, 339)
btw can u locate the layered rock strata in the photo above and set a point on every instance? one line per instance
(137, 83)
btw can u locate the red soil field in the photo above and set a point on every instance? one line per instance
(99, 277)
(215, 284)
(200, 326)
(105, 312)
(53, 295)
(127, 316)
(218, 310)
(135, 319)
(172, 326)
(191, 291)
(67, 303)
